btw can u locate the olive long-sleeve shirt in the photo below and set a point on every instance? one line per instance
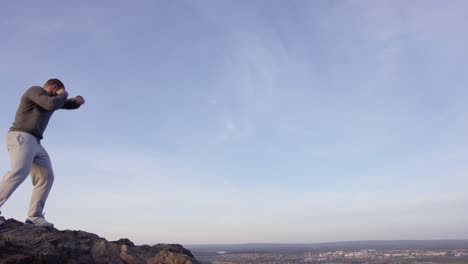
(36, 108)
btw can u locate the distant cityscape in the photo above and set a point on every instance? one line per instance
(369, 256)
(289, 254)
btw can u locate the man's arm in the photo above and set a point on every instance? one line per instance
(73, 103)
(50, 103)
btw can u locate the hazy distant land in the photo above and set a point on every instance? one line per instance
(382, 251)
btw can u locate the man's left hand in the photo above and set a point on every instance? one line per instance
(79, 100)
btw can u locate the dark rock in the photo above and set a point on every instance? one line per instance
(21, 243)
(124, 241)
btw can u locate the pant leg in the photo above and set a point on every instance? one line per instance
(22, 149)
(42, 177)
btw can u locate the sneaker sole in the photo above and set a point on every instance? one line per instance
(30, 223)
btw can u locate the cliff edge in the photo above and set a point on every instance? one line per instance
(20, 243)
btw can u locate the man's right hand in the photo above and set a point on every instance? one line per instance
(61, 92)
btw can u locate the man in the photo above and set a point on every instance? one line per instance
(27, 155)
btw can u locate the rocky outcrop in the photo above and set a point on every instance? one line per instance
(21, 243)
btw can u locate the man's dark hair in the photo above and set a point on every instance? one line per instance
(56, 82)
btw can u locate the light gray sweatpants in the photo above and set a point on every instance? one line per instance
(27, 156)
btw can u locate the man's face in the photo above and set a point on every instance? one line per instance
(51, 90)
(54, 90)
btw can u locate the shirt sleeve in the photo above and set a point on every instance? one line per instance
(70, 104)
(40, 97)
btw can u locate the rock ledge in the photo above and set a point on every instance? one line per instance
(21, 243)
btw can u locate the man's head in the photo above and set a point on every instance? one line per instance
(52, 86)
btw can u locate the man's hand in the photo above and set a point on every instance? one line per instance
(79, 100)
(62, 91)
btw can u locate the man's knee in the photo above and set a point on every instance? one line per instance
(49, 177)
(42, 176)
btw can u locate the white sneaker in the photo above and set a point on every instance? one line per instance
(38, 221)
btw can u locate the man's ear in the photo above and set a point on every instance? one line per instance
(53, 88)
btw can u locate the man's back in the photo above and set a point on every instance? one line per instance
(34, 112)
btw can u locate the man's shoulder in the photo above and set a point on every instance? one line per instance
(34, 90)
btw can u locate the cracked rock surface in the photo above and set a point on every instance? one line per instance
(21, 243)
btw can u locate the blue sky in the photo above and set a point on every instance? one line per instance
(248, 121)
